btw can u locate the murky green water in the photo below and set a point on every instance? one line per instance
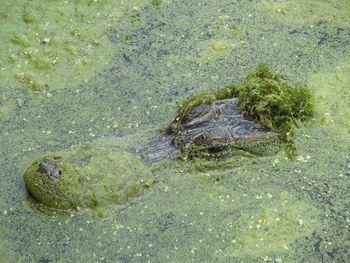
(113, 71)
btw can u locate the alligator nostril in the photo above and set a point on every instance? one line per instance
(49, 167)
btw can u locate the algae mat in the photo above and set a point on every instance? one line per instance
(119, 71)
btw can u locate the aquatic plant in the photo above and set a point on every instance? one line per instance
(263, 97)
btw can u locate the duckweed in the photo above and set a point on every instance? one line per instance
(58, 45)
(330, 86)
(280, 221)
(184, 218)
(301, 12)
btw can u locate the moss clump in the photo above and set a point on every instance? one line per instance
(266, 98)
(87, 176)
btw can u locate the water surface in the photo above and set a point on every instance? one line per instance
(113, 71)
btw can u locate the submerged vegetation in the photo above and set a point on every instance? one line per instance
(266, 98)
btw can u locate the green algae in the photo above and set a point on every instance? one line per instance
(89, 176)
(330, 86)
(213, 50)
(9, 254)
(186, 217)
(37, 37)
(50, 47)
(310, 12)
(218, 46)
(281, 220)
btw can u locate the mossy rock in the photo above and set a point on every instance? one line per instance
(87, 176)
